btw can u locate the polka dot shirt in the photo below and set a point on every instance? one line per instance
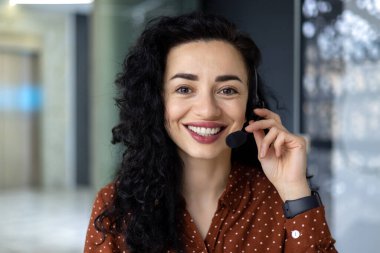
(249, 218)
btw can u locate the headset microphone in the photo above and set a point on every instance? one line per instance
(238, 138)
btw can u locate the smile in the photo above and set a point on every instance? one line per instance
(205, 131)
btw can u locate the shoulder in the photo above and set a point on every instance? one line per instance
(104, 197)
(97, 241)
(107, 191)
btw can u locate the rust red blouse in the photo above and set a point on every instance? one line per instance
(249, 218)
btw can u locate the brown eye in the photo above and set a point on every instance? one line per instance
(183, 90)
(228, 91)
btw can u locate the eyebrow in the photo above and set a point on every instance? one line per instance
(225, 78)
(187, 76)
(192, 77)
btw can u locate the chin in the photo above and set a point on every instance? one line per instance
(207, 153)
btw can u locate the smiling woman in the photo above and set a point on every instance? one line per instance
(186, 86)
(206, 103)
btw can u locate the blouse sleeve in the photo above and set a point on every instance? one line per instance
(308, 232)
(96, 241)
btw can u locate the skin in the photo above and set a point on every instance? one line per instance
(282, 155)
(206, 84)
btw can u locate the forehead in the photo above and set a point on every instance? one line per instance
(206, 57)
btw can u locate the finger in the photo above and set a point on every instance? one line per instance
(297, 141)
(267, 114)
(268, 140)
(259, 136)
(264, 124)
(279, 144)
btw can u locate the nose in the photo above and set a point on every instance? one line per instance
(207, 107)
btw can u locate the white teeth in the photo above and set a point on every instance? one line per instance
(204, 131)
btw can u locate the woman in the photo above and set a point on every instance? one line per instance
(189, 83)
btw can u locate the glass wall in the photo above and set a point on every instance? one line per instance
(341, 114)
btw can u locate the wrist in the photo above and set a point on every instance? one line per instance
(295, 191)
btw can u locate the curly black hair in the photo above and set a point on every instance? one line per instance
(147, 203)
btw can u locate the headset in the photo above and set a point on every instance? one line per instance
(238, 138)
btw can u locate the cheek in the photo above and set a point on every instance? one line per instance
(237, 111)
(173, 113)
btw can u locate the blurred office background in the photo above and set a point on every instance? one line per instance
(57, 66)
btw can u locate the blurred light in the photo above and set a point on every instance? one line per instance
(352, 38)
(372, 6)
(324, 7)
(310, 8)
(29, 98)
(25, 98)
(14, 2)
(339, 188)
(308, 29)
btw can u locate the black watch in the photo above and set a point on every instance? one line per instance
(298, 206)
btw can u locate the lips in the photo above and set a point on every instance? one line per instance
(205, 132)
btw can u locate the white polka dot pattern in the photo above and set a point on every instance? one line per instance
(249, 218)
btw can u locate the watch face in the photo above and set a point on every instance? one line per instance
(298, 206)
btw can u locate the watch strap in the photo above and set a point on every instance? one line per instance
(298, 206)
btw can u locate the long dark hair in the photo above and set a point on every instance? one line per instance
(147, 206)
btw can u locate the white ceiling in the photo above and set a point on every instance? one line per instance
(62, 8)
(66, 8)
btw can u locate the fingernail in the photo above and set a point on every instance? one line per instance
(262, 153)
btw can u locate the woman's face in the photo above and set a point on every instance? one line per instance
(205, 93)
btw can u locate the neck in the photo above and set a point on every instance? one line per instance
(205, 179)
